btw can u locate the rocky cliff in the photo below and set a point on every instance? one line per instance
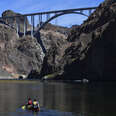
(56, 28)
(21, 55)
(90, 50)
(18, 55)
(13, 21)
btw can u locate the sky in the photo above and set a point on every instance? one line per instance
(33, 6)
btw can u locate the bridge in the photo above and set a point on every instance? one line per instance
(50, 15)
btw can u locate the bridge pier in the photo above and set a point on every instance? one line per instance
(47, 16)
(40, 19)
(56, 21)
(25, 25)
(81, 11)
(90, 11)
(17, 26)
(32, 25)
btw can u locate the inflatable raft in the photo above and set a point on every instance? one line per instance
(30, 107)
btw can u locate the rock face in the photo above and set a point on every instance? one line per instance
(90, 52)
(13, 22)
(24, 55)
(50, 38)
(52, 42)
(55, 28)
(18, 55)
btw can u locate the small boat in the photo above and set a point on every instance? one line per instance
(31, 108)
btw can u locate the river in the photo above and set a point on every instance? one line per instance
(58, 98)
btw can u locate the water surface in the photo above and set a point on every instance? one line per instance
(58, 98)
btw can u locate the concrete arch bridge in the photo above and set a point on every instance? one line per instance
(50, 15)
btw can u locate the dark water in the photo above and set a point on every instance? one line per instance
(58, 99)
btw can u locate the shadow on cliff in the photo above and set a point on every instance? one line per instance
(38, 36)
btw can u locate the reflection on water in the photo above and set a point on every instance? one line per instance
(58, 99)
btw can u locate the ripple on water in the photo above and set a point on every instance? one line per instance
(43, 112)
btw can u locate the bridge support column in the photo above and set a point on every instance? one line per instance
(39, 20)
(32, 25)
(90, 11)
(25, 25)
(47, 16)
(17, 26)
(81, 11)
(6, 21)
(56, 20)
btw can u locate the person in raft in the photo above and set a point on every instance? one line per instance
(36, 104)
(29, 104)
(30, 101)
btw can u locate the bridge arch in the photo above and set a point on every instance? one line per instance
(37, 32)
(57, 15)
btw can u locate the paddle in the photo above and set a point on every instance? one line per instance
(23, 107)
